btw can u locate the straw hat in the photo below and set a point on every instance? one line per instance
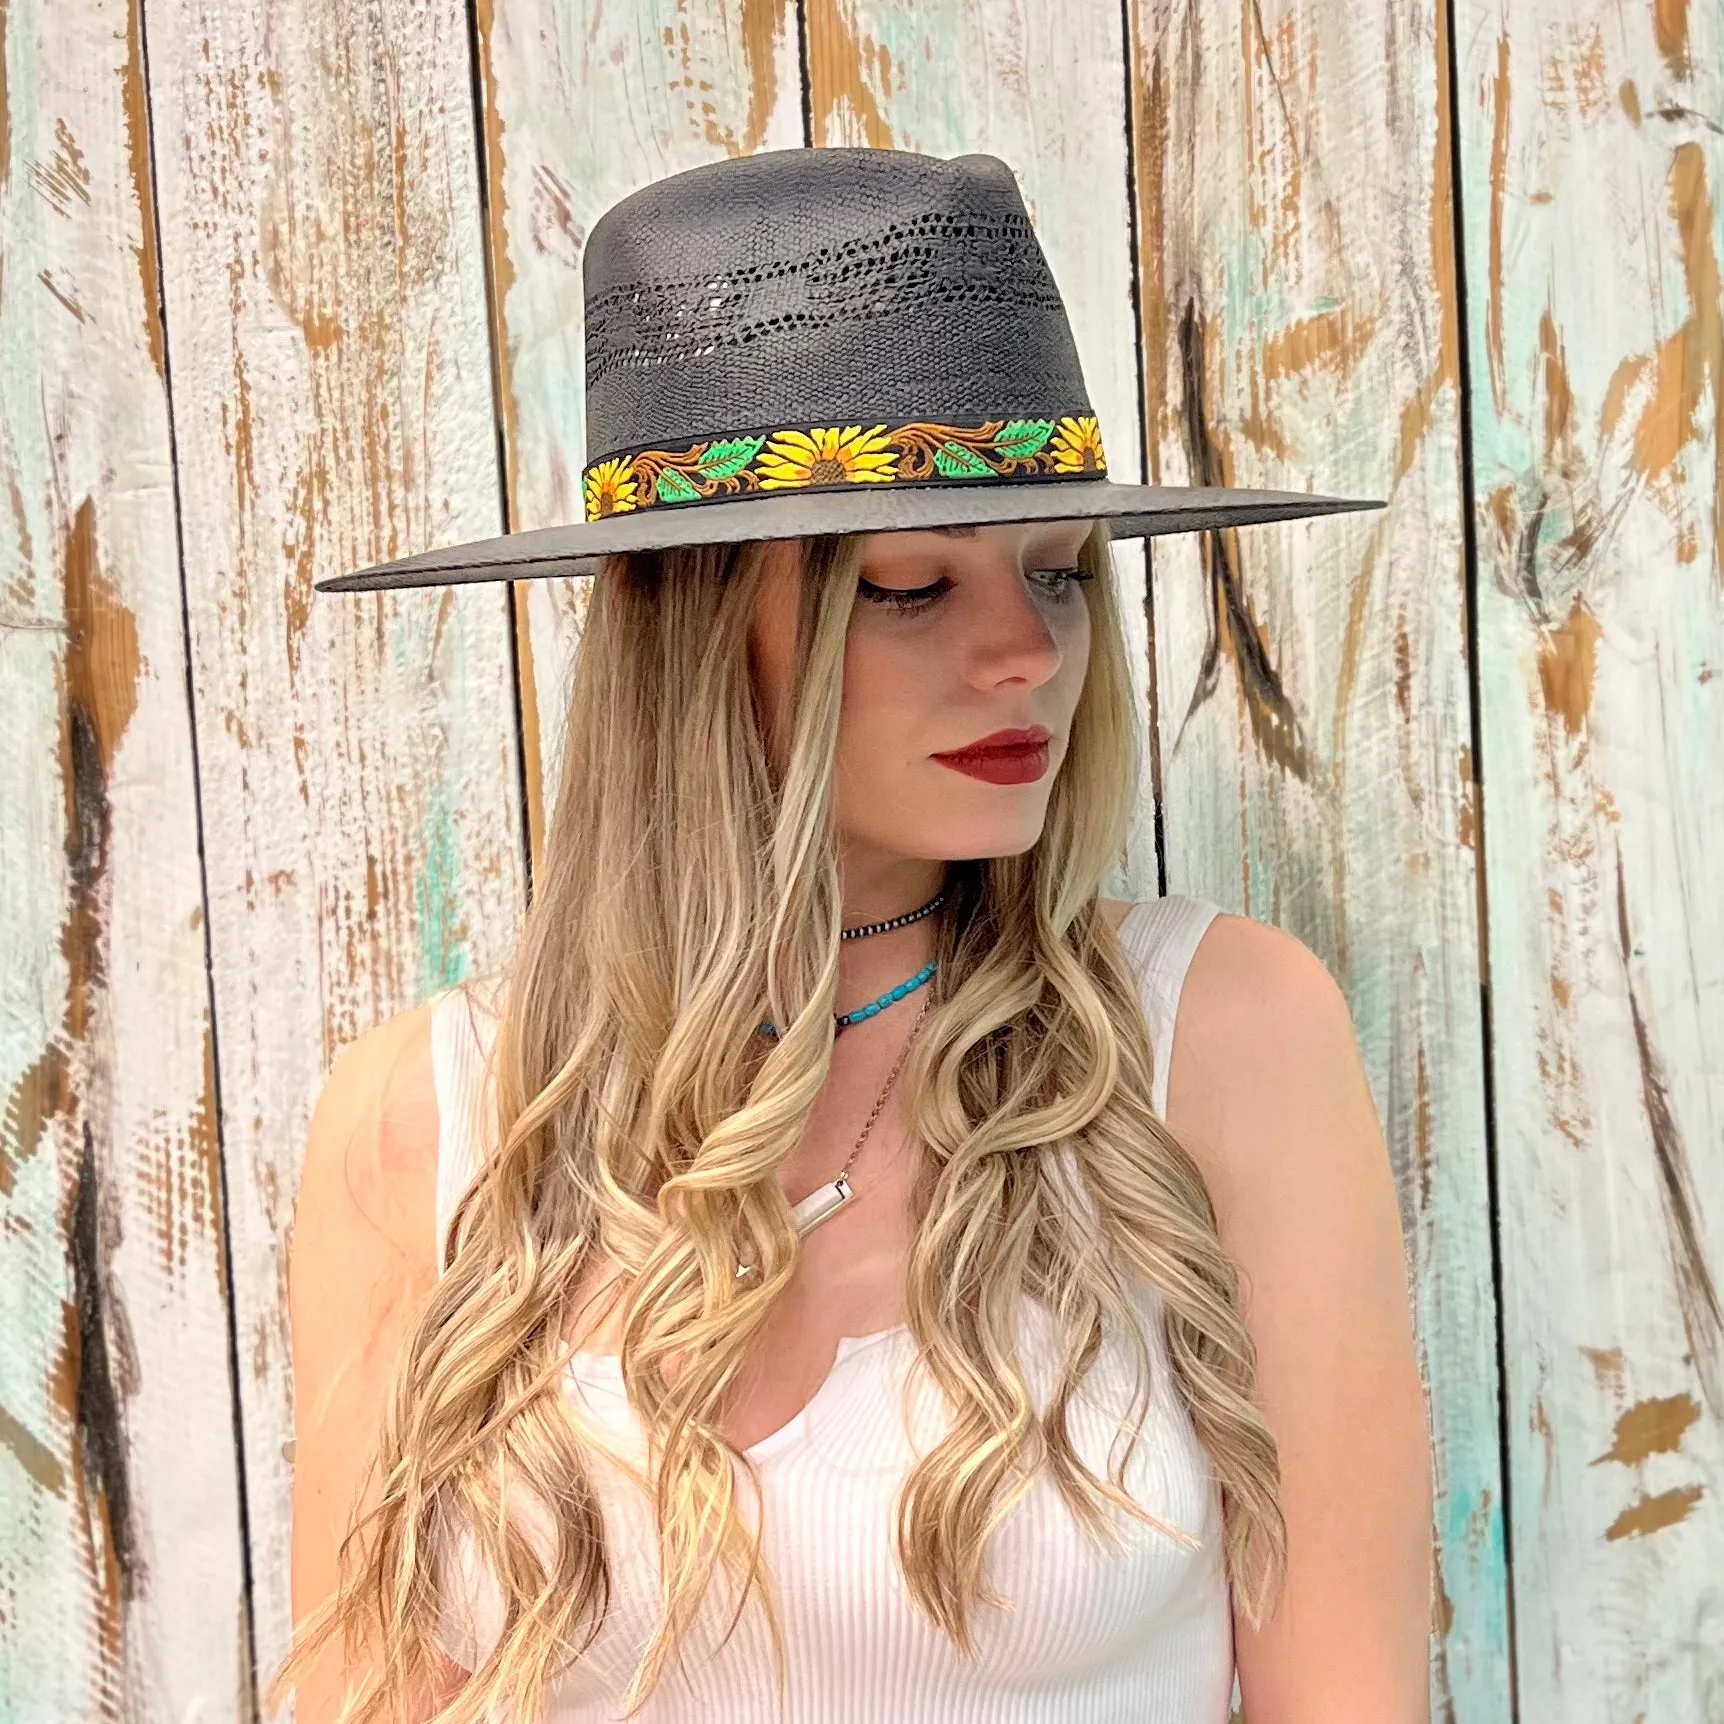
(829, 341)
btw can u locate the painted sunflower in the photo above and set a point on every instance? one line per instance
(1076, 446)
(827, 457)
(610, 489)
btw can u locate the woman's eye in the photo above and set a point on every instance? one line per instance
(1064, 579)
(902, 598)
(914, 598)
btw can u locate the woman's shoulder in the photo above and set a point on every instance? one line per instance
(1251, 985)
(1230, 952)
(1246, 970)
(370, 1161)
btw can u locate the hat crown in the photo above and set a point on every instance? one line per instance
(805, 287)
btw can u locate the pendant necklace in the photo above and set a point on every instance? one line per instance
(819, 1205)
(826, 1200)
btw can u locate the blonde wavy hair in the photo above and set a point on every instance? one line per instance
(687, 892)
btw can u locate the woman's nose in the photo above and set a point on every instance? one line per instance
(1007, 635)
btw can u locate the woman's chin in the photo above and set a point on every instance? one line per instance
(973, 840)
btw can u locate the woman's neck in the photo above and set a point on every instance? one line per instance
(869, 966)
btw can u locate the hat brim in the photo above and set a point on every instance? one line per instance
(580, 547)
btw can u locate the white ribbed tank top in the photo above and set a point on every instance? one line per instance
(1138, 1635)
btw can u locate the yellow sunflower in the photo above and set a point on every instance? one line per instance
(1076, 447)
(610, 489)
(827, 457)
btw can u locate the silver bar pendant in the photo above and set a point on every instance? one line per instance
(816, 1207)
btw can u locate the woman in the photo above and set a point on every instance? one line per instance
(846, 1268)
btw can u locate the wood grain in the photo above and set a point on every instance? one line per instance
(1592, 187)
(1042, 86)
(1300, 320)
(583, 104)
(324, 274)
(121, 1559)
(370, 265)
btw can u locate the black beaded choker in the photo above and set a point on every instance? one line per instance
(903, 921)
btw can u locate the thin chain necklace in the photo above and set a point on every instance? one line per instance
(826, 1200)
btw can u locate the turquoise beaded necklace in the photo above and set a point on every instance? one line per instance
(843, 1020)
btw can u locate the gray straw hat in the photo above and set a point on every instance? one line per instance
(829, 341)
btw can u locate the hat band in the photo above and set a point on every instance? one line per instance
(826, 457)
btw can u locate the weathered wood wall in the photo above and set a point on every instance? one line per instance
(1592, 156)
(122, 1553)
(292, 288)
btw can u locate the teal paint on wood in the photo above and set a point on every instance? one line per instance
(444, 953)
(121, 1567)
(1298, 293)
(1592, 169)
(324, 287)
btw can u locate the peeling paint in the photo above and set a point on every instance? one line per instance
(1652, 1427)
(33, 1455)
(100, 672)
(850, 78)
(1498, 178)
(1467, 803)
(1331, 340)
(65, 178)
(1629, 371)
(1149, 135)
(1690, 363)
(1607, 1367)
(1234, 632)
(1567, 666)
(42, 1092)
(104, 1373)
(136, 107)
(1588, 69)
(1670, 31)
(179, 1177)
(1647, 1515)
(1696, 1290)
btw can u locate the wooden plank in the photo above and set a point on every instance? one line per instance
(1592, 185)
(324, 273)
(1042, 86)
(121, 1560)
(1300, 331)
(583, 104)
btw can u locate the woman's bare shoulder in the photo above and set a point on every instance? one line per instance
(1252, 986)
(368, 1180)
(1249, 975)
(362, 1261)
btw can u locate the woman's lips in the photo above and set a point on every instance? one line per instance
(1022, 764)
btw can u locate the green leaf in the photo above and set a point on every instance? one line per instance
(1023, 437)
(674, 488)
(723, 460)
(957, 462)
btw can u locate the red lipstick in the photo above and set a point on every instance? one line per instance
(1003, 757)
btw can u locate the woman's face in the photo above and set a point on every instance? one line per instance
(957, 633)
